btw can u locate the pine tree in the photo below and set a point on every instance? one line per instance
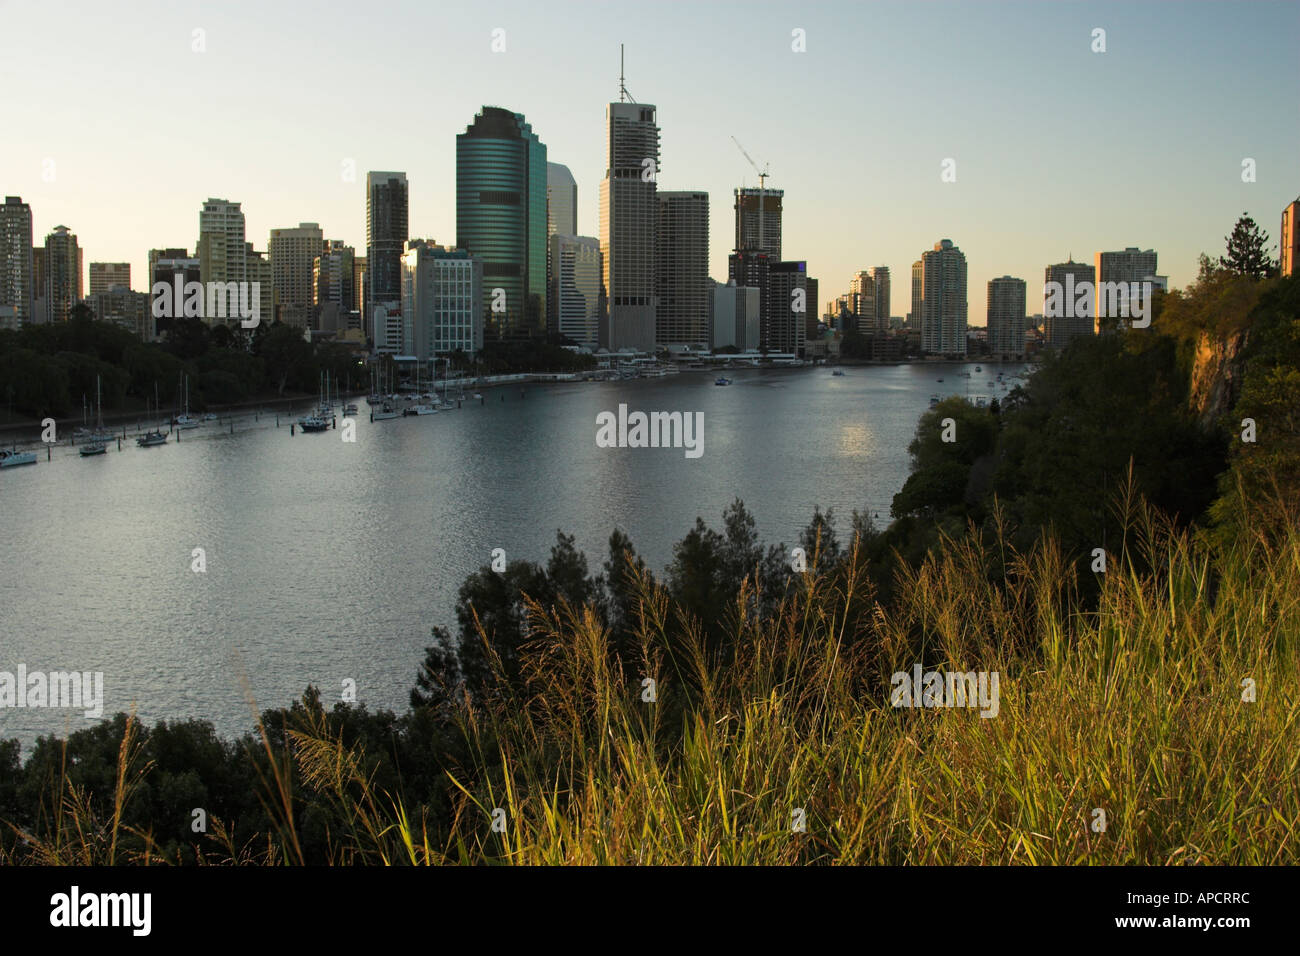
(1246, 250)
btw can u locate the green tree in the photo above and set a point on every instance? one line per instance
(1247, 253)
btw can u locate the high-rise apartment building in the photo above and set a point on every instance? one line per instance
(1067, 314)
(577, 295)
(257, 268)
(62, 273)
(441, 301)
(119, 305)
(501, 178)
(109, 275)
(758, 220)
(293, 252)
(1290, 239)
(387, 210)
(682, 269)
(1124, 268)
(880, 280)
(1006, 316)
(221, 249)
(17, 283)
(913, 320)
(333, 277)
(862, 301)
(943, 300)
(629, 218)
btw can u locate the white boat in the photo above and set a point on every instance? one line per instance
(350, 409)
(420, 409)
(385, 412)
(721, 380)
(185, 420)
(210, 417)
(319, 420)
(13, 458)
(840, 371)
(934, 400)
(151, 438)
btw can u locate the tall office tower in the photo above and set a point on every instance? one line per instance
(1066, 316)
(561, 201)
(629, 219)
(918, 285)
(109, 275)
(750, 269)
(1006, 316)
(758, 220)
(62, 273)
(733, 316)
(501, 181)
(442, 308)
(561, 219)
(682, 269)
(1127, 267)
(333, 276)
(785, 325)
(577, 293)
(293, 252)
(880, 277)
(17, 288)
(386, 234)
(257, 268)
(221, 247)
(943, 300)
(862, 302)
(1290, 239)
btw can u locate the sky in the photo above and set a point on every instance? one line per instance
(116, 126)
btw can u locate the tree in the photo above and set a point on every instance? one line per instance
(1247, 255)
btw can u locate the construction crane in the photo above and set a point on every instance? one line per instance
(762, 183)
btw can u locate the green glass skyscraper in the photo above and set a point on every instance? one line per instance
(501, 219)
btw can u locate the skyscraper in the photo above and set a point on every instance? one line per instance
(629, 216)
(1290, 239)
(943, 300)
(293, 253)
(501, 180)
(441, 301)
(221, 249)
(682, 269)
(880, 278)
(17, 288)
(386, 235)
(334, 276)
(1116, 274)
(918, 285)
(1068, 315)
(561, 219)
(758, 220)
(785, 323)
(63, 273)
(577, 294)
(1006, 316)
(561, 201)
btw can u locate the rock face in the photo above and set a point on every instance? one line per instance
(1216, 375)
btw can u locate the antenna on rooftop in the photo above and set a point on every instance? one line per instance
(623, 95)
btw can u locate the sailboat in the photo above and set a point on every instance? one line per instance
(319, 420)
(96, 446)
(446, 403)
(185, 420)
(154, 436)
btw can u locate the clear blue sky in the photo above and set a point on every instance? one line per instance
(1058, 149)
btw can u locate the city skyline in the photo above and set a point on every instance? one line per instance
(1033, 183)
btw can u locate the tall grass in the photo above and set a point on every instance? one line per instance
(1133, 707)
